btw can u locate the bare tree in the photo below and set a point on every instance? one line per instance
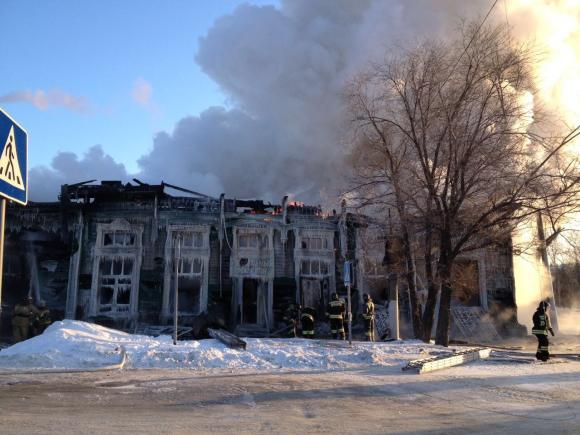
(448, 133)
(380, 183)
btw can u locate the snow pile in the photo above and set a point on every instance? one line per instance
(76, 345)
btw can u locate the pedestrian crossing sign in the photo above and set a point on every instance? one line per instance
(347, 273)
(13, 160)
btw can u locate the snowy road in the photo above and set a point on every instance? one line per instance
(377, 400)
(277, 386)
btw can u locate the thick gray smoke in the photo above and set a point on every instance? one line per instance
(284, 70)
(67, 168)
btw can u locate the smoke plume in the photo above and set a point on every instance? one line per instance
(283, 69)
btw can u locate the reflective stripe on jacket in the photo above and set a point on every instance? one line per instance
(369, 311)
(541, 323)
(336, 310)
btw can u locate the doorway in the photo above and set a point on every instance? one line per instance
(250, 301)
(311, 292)
(189, 301)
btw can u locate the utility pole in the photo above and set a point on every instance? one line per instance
(349, 316)
(177, 246)
(13, 174)
(221, 234)
(348, 283)
(2, 225)
(394, 305)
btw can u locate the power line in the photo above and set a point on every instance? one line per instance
(470, 42)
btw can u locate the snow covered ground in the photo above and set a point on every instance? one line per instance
(76, 345)
(278, 386)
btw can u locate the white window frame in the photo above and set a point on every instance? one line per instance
(311, 273)
(119, 238)
(315, 252)
(259, 264)
(197, 250)
(314, 243)
(114, 307)
(257, 241)
(192, 239)
(104, 252)
(192, 275)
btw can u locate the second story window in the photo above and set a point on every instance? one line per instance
(254, 241)
(192, 240)
(313, 268)
(314, 243)
(190, 267)
(118, 238)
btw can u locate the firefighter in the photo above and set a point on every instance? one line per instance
(42, 320)
(335, 312)
(368, 315)
(291, 317)
(540, 329)
(307, 322)
(24, 314)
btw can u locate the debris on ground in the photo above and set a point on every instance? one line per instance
(440, 362)
(227, 338)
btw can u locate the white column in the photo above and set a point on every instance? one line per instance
(73, 274)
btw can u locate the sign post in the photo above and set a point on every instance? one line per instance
(394, 305)
(177, 245)
(13, 174)
(2, 219)
(348, 283)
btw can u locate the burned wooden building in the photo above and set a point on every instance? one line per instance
(111, 253)
(107, 253)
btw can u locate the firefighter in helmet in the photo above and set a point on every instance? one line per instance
(42, 320)
(368, 315)
(307, 318)
(24, 314)
(292, 318)
(542, 326)
(335, 311)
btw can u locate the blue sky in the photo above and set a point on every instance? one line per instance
(114, 73)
